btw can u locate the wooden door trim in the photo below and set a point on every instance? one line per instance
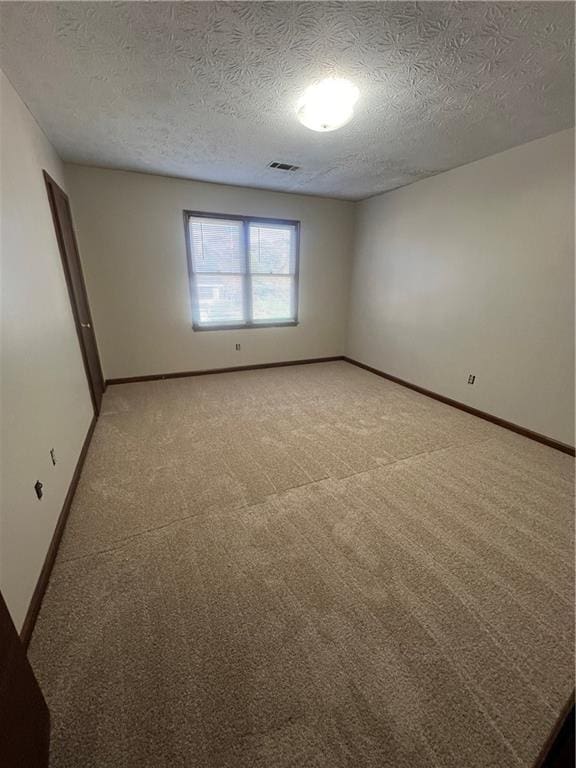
(25, 731)
(51, 185)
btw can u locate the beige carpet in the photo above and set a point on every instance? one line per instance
(307, 566)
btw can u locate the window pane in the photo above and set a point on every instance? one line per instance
(216, 245)
(272, 297)
(272, 249)
(220, 298)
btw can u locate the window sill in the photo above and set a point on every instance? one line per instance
(245, 326)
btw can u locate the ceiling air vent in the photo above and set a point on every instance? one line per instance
(283, 166)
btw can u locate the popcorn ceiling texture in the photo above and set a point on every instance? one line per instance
(208, 90)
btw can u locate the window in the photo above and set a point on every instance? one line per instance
(243, 271)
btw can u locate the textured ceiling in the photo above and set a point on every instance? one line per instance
(208, 90)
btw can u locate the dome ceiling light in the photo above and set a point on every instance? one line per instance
(327, 105)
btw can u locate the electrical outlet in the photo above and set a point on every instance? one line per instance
(237, 347)
(53, 456)
(471, 379)
(38, 488)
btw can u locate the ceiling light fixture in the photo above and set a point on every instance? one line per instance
(327, 105)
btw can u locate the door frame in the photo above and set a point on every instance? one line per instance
(25, 735)
(51, 185)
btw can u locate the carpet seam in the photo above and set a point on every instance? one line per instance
(123, 542)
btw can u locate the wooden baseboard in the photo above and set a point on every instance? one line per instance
(42, 583)
(549, 441)
(208, 371)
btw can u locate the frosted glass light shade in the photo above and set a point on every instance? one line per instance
(327, 105)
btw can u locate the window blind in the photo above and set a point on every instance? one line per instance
(243, 271)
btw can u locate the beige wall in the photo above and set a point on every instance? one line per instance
(44, 398)
(131, 234)
(473, 271)
(470, 271)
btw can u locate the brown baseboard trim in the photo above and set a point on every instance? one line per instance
(236, 368)
(42, 583)
(549, 441)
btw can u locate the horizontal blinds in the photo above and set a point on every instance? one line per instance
(243, 272)
(272, 259)
(272, 249)
(219, 267)
(217, 246)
